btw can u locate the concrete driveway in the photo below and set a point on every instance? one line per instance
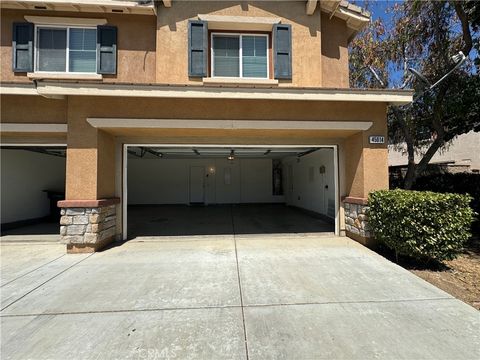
(226, 297)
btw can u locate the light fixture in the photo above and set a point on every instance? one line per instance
(153, 152)
(232, 155)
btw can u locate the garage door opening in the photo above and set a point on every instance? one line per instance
(32, 181)
(216, 190)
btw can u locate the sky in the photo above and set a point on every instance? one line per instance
(378, 9)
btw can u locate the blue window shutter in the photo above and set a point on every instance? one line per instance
(197, 48)
(106, 49)
(22, 47)
(282, 35)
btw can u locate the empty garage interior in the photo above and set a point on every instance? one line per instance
(175, 191)
(32, 181)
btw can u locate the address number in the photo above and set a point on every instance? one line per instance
(375, 139)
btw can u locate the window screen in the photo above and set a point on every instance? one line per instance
(52, 45)
(226, 55)
(254, 56)
(82, 50)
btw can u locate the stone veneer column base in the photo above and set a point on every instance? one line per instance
(356, 221)
(87, 226)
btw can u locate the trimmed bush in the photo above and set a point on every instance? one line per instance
(421, 224)
(461, 183)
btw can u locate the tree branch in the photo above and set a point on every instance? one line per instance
(438, 127)
(466, 34)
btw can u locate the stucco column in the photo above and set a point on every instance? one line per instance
(88, 219)
(366, 170)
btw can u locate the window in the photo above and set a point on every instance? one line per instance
(244, 56)
(66, 49)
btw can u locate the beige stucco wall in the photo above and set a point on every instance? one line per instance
(319, 44)
(90, 160)
(365, 164)
(464, 150)
(334, 52)
(136, 44)
(32, 109)
(172, 37)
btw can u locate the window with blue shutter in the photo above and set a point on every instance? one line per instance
(282, 37)
(22, 47)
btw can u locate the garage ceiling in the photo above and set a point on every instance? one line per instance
(216, 152)
(47, 150)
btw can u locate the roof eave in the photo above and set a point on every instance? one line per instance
(61, 89)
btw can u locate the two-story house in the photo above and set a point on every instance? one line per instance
(188, 102)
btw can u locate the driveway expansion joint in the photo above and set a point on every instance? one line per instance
(29, 272)
(43, 283)
(239, 284)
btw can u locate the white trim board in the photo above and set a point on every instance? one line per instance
(210, 92)
(124, 199)
(105, 123)
(33, 128)
(246, 23)
(64, 21)
(33, 145)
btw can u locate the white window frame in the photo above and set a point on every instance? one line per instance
(240, 36)
(67, 63)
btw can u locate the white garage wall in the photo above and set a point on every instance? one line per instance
(307, 188)
(24, 176)
(166, 181)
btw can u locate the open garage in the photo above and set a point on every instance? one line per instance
(32, 181)
(215, 190)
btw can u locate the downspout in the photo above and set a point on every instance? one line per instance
(57, 97)
(335, 10)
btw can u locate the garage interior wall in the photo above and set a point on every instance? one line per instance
(309, 182)
(166, 181)
(24, 176)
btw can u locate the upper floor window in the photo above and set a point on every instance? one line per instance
(240, 55)
(66, 49)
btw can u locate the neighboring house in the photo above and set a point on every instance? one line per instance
(192, 102)
(461, 155)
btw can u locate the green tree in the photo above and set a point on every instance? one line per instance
(424, 35)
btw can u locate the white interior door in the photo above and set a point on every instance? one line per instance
(197, 184)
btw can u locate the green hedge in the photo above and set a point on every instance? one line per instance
(421, 224)
(461, 183)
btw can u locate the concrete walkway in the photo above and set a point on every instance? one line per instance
(298, 296)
